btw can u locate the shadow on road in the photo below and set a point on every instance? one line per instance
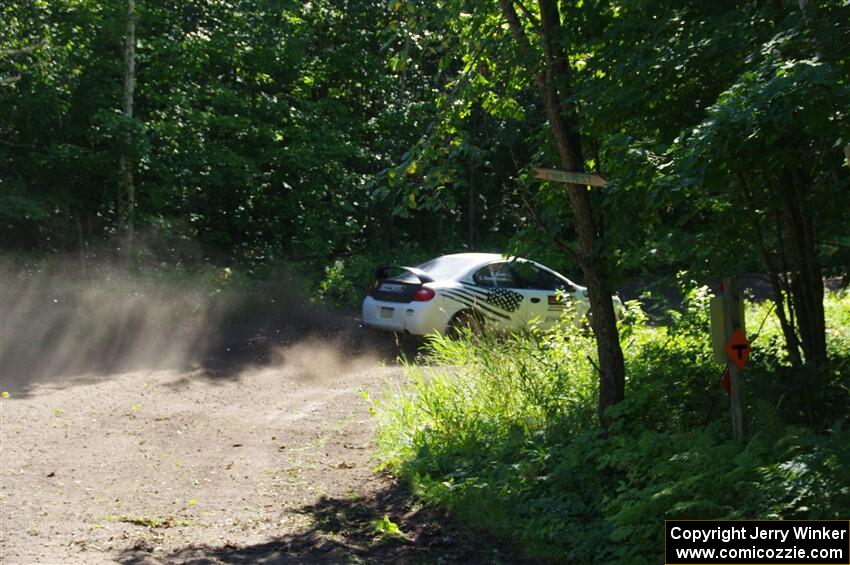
(348, 530)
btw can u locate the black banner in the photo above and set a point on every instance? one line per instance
(805, 542)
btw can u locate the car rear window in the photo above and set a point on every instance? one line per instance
(444, 267)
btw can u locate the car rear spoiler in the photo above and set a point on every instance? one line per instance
(384, 273)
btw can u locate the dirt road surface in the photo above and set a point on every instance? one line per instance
(270, 464)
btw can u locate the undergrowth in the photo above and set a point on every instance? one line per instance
(502, 431)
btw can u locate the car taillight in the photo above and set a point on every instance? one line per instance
(424, 294)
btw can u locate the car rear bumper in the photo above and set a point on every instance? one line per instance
(417, 318)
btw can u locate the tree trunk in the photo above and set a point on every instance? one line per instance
(792, 342)
(806, 278)
(555, 86)
(780, 291)
(470, 209)
(126, 162)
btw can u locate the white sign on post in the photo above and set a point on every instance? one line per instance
(556, 175)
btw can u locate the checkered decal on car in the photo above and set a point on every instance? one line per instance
(503, 298)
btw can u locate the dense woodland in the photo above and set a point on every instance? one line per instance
(333, 135)
(271, 131)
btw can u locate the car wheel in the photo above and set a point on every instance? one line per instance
(465, 321)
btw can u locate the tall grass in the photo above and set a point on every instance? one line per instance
(501, 430)
(486, 389)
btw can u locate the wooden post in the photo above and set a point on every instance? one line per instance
(732, 312)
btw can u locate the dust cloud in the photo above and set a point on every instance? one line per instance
(315, 358)
(61, 321)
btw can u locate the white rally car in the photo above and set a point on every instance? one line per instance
(471, 289)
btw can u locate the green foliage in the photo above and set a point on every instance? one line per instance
(247, 138)
(347, 279)
(418, 121)
(501, 430)
(515, 388)
(701, 121)
(387, 529)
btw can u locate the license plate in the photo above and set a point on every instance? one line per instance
(387, 312)
(387, 287)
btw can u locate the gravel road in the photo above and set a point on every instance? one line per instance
(269, 464)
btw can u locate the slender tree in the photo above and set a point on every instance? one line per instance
(126, 161)
(555, 86)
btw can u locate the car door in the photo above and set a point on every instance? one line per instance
(546, 295)
(496, 295)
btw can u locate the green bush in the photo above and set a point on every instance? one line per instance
(502, 431)
(346, 280)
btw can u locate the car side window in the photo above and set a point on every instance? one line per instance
(495, 275)
(532, 277)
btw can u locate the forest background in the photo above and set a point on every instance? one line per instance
(237, 138)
